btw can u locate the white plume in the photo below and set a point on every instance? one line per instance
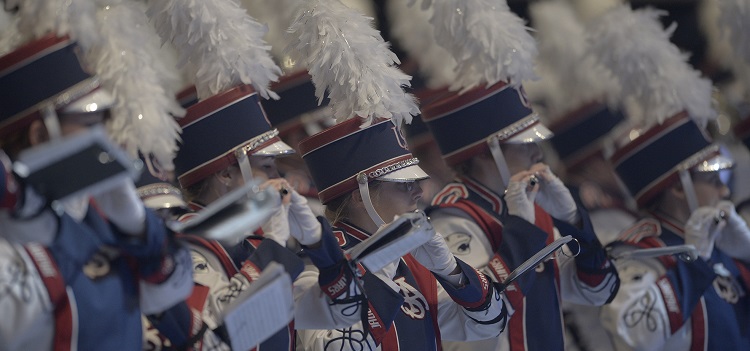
(348, 58)
(488, 42)
(223, 42)
(128, 64)
(10, 37)
(648, 66)
(735, 19)
(277, 15)
(411, 27)
(563, 50)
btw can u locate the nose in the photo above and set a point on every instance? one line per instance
(417, 191)
(724, 191)
(535, 153)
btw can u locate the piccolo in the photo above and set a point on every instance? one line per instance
(721, 216)
(533, 180)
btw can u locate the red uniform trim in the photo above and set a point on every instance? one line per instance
(428, 287)
(699, 328)
(58, 295)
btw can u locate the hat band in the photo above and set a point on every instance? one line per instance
(655, 186)
(504, 134)
(372, 173)
(57, 101)
(218, 163)
(257, 141)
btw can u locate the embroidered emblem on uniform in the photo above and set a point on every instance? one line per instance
(400, 138)
(99, 264)
(415, 304)
(459, 243)
(726, 286)
(152, 339)
(539, 268)
(340, 237)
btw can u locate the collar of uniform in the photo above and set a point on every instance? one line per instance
(485, 193)
(352, 230)
(669, 224)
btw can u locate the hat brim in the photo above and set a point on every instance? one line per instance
(535, 133)
(715, 164)
(97, 100)
(406, 174)
(164, 201)
(278, 148)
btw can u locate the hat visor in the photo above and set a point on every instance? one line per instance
(164, 201)
(97, 100)
(406, 174)
(278, 148)
(714, 164)
(535, 133)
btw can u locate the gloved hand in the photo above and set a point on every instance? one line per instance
(702, 229)
(734, 240)
(519, 198)
(436, 256)
(302, 222)
(123, 208)
(277, 227)
(554, 197)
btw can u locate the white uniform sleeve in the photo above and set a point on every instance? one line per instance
(314, 310)
(351, 337)
(574, 289)
(458, 324)
(156, 298)
(642, 315)
(28, 321)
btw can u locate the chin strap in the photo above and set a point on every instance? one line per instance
(687, 186)
(49, 116)
(243, 159)
(497, 154)
(364, 191)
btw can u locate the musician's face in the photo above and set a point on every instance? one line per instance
(395, 198)
(709, 188)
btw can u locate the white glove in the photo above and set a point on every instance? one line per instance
(436, 256)
(519, 200)
(702, 229)
(554, 197)
(277, 227)
(734, 240)
(123, 207)
(302, 222)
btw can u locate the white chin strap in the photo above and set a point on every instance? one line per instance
(497, 154)
(364, 191)
(687, 186)
(51, 122)
(243, 159)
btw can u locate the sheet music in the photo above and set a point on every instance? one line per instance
(268, 309)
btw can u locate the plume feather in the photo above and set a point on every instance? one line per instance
(735, 19)
(348, 58)
(563, 51)
(649, 68)
(128, 65)
(489, 43)
(411, 27)
(221, 40)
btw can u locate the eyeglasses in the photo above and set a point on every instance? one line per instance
(406, 187)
